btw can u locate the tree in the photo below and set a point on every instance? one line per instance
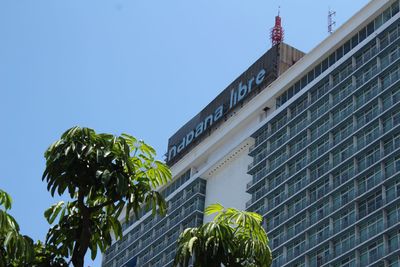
(46, 256)
(233, 238)
(19, 250)
(103, 175)
(15, 249)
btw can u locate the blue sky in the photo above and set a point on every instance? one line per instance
(140, 67)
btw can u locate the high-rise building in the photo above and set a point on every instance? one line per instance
(311, 142)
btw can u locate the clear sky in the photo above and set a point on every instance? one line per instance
(140, 67)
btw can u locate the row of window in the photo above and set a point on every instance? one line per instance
(159, 224)
(333, 137)
(162, 242)
(153, 256)
(339, 53)
(339, 114)
(320, 192)
(325, 245)
(325, 86)
(338, 156)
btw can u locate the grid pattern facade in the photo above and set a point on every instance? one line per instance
(152, 242)
(326, 168)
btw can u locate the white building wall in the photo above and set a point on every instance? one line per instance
(227, 184)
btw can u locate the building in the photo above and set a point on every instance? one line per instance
(313, 146)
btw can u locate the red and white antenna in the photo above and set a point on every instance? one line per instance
(277, 32)
(331, 21)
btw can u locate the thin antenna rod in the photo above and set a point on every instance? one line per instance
(331, 21)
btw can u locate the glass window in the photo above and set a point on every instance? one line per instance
(354, 41)
(362, 34)
(339, 53)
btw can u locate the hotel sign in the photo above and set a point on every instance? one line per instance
(250, 83)
(236, 96)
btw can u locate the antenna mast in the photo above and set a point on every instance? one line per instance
(277, 32)
(331, 21)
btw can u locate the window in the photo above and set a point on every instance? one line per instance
(343, 174)
(369, 158)
(321, 90)
(394, 241)
(277, 179)
(391, 98)
(367, 73)
(319, 169)
(367, 136)
(278, 123)
(393, 215)
(319, 212)
(277, 159)
(320, 190)
(320, 109)
(299, 163)
(393, 190)
(369, 180)
(344, 220)
(367, 94)
(343, 152)
(278, 259)
(300, 106)
(391, 121)
(392, 165)
(345, 243)
(342, 92)
(371, 254)
(277, 238)
(390, 78)
(366, 116)
(297, 183)
(296, 248)
(318, 235)
(298, 204)
(321, 128)
(299, 144)
(345, 131)
(347, 262)
(299, 125)
(343, 197)
(320, 257)
(277, 198)
(343, 111)
(297, 226)
(391, 144)
(278, 141)
(369, 205)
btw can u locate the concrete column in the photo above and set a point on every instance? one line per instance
(357, 257)
(385, 244)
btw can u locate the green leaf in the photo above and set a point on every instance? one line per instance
(213, 208)
(51, 213)
(5, 200)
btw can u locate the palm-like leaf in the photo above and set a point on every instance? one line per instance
(103, 174)
(233, 238)
(15, 249)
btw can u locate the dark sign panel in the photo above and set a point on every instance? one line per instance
(263, 72)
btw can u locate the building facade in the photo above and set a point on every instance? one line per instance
(315, 150)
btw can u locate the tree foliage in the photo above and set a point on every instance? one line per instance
(104, 175)
(46, 256)
(15, 249)
(233, 238)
